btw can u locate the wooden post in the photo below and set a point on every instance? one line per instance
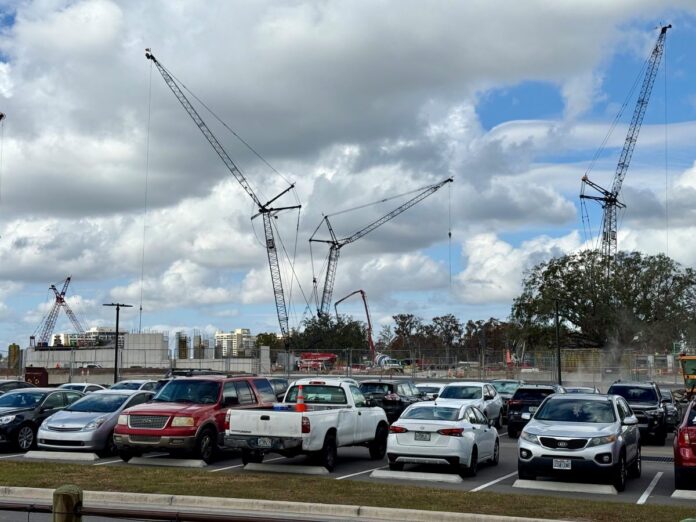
(67, 504)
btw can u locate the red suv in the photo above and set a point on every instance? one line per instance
(188, 415)
(685, 451)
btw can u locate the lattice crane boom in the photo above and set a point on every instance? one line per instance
(264, 209)
(609, 199)
(52, 316)
(337, 244)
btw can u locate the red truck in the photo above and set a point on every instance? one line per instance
(188, 415)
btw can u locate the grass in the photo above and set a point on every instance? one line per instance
(327, 491)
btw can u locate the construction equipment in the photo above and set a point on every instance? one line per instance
(688, 367)
(49, 321)
(370, 342)
(609, 199)
(264, 209)
(337, 244)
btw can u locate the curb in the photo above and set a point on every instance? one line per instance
(204, 505)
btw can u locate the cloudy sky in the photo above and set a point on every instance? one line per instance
(105, 178)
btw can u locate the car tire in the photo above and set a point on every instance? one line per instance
(109, 448)
(378, 446)
(636, 467)
(26, 437)
(496, 453)
(126, 455)
(472, 468)
(206, 445)
(523, 474)
(619, 474)
(396, 466)
(329, 452)
(680, 481)
(499, 421)
(513, 432)
(251, 457)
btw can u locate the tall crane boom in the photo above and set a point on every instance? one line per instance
(264, 209)
(337, 244)
(609, 199)
(370, 342)
(50, 322)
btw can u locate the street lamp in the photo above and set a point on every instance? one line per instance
(118, 309)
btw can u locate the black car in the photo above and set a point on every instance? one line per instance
(394, 396)
(22, 411)
(506, 388)
(7, 385)
(524, 403)
(647, 404)
(673, 409)
(280, 386)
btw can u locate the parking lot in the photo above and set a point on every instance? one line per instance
(655, 486)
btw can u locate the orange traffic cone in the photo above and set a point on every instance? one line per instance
(300, 406)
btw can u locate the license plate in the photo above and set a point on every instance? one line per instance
(263, 442)
(419, 435)
(532, 409)
(561, 463)
(526, 416)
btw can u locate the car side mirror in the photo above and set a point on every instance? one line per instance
(370, 403)
(487, 397)
(631, 420)
(491, 422)
(230, 401)
(435, 396)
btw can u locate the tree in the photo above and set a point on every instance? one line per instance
(645, 302)
(449, 331)
(333, 335)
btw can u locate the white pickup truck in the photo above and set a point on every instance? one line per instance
(337, 415)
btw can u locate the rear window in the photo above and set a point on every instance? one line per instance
(461, 392)
(576, 410)
(318, 394)
(691, 421)
(265, 390)
(429, 389)
(376, 387)
(438, 413)
(634, 393)
(532, 394)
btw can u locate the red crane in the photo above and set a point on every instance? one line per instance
(367, 314)
(49, 321)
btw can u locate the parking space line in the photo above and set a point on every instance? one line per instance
(502, 434)
(108, 462)
(10, 456)
(484, 486)
(358, 473)
(241, 465)
(652, 485)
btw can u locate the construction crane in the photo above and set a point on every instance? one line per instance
(370, 342)
(609, 199)
(338, 244)
(264, 209)
(50, 319)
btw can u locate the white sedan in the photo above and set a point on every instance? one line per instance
(432, 433)
(431, 389)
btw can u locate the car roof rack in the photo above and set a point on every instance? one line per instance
(194, 372)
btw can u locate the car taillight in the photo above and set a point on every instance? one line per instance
(306, 426)
(514, 403)
(451, 432)
(397, 429)
(391, 397)
(686, 438)
(227, 420)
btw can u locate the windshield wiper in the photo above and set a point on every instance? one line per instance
(186, 401)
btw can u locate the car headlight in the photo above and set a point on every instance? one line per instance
(529, 437)
(180, 422)
(7, 419)
(654, 413)
(95, 424)
(600, 441)
(122, 420)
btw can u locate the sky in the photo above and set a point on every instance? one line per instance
(105, 178)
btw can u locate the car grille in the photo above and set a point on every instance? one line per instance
(72, 443)
(63, 428)
(153, 422)
(152, 439)
(554, 443)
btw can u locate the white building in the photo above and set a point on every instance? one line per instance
(236, 343)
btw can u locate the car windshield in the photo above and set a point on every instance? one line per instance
(634, 393)
(99, 403)
(461, 392)
(375, 387)
(691, 421)
(124, 385)
(505, 387)
(532, 394)
(183, 390)
(667, 394)
(438, 413)
(580, 390)
(21, 399)
(576, 410)
(428, 389)
(317, 394)
(77, 387)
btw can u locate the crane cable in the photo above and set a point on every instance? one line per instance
(145, 211)
(2, 148)
(666, 159)
(449, 232)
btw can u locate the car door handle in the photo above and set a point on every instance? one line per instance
(265, 417)
(359, 413)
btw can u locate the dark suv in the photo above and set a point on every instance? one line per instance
(524, 402)
(393, 396)
(647, 404)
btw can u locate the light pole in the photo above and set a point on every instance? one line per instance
(118, 309)
(558, 342)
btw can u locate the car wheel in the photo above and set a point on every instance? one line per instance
(205, 446)
(513, 433)
(496, 453)
(680, 481)
(472, 468)
(26, 437)
(619, 474)
(660, 437)
(109, 447)
(636, 467)
(499, 421)
(329, 452)
(251, 457)
(523, 474)
(396, 466)
(378, 446)
(126, 455)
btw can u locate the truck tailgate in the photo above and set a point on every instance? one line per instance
(265, 423)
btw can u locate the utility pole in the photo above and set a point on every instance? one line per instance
(558, 342)
(118, 309)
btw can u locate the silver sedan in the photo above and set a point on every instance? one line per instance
(88, 424)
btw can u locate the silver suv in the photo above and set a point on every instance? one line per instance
(581, 433)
